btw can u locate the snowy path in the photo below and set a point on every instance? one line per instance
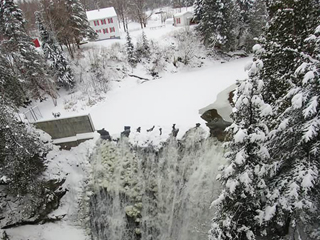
(175, 98)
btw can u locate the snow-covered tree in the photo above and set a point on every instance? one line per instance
(245, 6)
(78, 21)
(157, 62)
(291, 22)
(188, 47)
(58, 63)
(143, 47)
(29, 65)
(245, 179)
(257, 21)
(198, 9)
(132, 59)
(296, 143)
(10, 86)
(68, 22)
(217, 24)
(21, 154)
(241, 17)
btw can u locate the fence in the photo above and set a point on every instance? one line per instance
(33, 114)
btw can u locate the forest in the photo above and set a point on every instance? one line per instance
(270, 182)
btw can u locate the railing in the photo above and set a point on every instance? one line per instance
(157, 27)
(33, 114)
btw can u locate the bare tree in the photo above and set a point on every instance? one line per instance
(138, 11)
(122, 9)
(28, 8)
(67, 20)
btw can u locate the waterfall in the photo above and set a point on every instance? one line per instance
(154, 194)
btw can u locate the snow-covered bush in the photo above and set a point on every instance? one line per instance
(159, 57)
(97, 67)
(189, 47)
(143, 47)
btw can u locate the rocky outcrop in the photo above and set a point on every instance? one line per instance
(216, 124)
(17, 211)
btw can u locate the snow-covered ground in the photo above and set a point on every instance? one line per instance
(73, 166)
(176, 98)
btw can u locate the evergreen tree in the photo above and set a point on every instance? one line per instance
(21, 153)
(143, 48)
(198, 9)
(132, 60)
(296, 141)
(245, 179)
(57, 61)
(245, 6)
(257, 22)
(28, 63)
(217, 24)
(145, 44)
(291, 22)
(10, 86)
(78, 21)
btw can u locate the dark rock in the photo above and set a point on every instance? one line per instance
(104, 134)
(160, 130)
(57, 114)
(216, 124)
(126, 132)
(230, 98)
(4, 236)
(52, 193)
(139, 129)
(151, 129)
(175, 130)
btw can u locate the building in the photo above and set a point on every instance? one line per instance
(183, 19)
(104, 22)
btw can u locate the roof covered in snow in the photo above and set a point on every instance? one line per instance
(183, 13)
(101, 13)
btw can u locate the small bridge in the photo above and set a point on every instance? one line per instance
(68, 132)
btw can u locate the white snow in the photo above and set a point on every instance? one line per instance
(244, 178)
(312, 107)
(269, 212)
(176, 98)
(309, 179)
(49, 231)
(101, 13)
(308, 76)
(240, 157)
(232, 185)
(182, 14)
(266, 110)
(80, 136)
(72, 165)
(222, 104)
(258, 49)
(240, 136)
(297, 101)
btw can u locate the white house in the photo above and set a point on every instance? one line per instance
(105, 22)
(183, 19)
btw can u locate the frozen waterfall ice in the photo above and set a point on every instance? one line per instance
(148, 193)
